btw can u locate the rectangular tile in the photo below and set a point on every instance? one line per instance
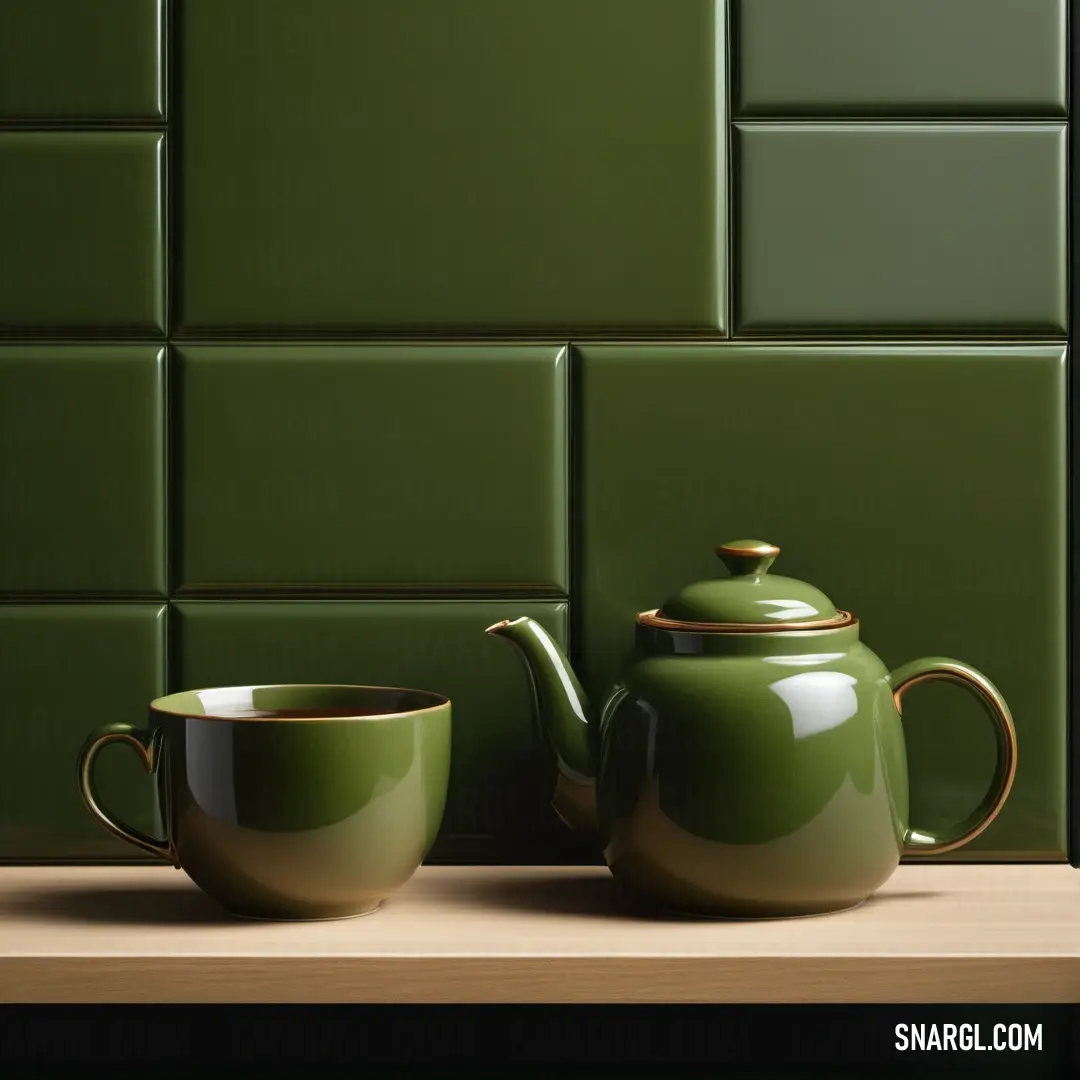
(82, 470)
(476, 165)
(384, 466)
(66, 670)
(501, 776)
(80, 59)
(921, 488)
(81, 218)
(900, 57)
(900, 228)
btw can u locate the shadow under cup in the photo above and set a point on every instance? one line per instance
(290, 802)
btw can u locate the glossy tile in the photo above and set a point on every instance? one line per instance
(384, 466)
(76, 60)
(832, 58)
(80, 214)
(921, 488)
(82, 470)
(67, 669)
(501, 776)
(401, 164)
(903, 228)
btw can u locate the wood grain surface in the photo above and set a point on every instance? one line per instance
(538, 934)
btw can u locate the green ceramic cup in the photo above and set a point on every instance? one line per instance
(290, 802)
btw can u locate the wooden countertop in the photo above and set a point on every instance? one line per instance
(1008, 934)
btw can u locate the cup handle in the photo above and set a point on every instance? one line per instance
(142, 742)
(921, 841)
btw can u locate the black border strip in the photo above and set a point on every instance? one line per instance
(666, 1038)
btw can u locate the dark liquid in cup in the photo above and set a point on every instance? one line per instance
(329, 713)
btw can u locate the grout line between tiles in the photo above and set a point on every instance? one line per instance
(570, 445)
(618, 336)
(168, 85)
(166, 617)
(168, 516)
(812, 120)
(270, 597)
(752, 341)
(81, 127)
(1072, 462)
(167, 232)
(762, 343)
(26, 336)
(164, 18)
(726, 167)
(746, 342)
(576, 524)
(13, 600)
(333, 595)
(168, 69)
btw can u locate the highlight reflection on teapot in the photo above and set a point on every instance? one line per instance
(750, 760)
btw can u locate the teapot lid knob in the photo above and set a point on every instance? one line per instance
(747, 556)
(751, 599)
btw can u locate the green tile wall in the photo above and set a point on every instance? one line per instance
(74, 60)
(82, 470)
(438, 467)
(82, 219)
(474, 165)
(943, 58)
(972, 218)
(331, 336)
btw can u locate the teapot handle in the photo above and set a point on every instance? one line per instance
(922, 842)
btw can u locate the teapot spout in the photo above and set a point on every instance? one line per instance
(565, 719)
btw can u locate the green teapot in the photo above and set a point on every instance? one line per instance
(750, 761)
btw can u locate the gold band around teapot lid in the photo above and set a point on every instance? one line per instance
(657, 621)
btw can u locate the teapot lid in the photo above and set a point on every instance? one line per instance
(751, 599)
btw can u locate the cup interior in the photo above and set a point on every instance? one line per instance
(298, 702)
